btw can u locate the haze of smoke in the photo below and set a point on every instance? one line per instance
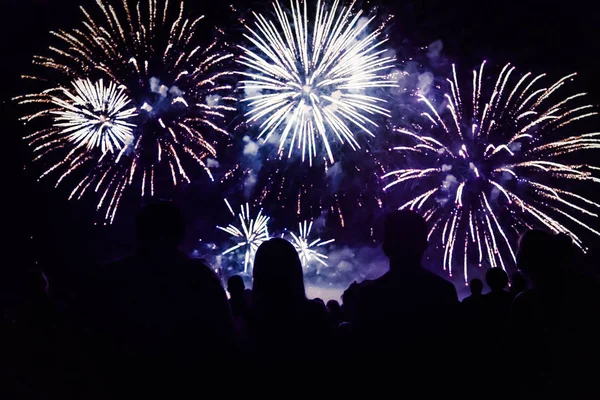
(251, 147)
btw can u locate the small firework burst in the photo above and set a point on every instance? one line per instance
(307, 247)
(249, 235)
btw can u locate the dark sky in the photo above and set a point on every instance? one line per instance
(556, 37)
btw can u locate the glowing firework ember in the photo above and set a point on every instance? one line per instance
(162, 111)
(489, 165)
(250, 234)
(306, 247)
(308, 76)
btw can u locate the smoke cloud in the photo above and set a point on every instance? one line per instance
(249, 184)
(251, 147)
(434, 50)
(211, 163)
(212, 100)
(425, 82)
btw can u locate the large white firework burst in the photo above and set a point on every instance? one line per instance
(309, 73)
(95, 115)
(307, 247)
(250, 234)
(484, 169)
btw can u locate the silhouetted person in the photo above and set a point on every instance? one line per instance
(349, 299)
(344, 333)
(335, 312)
(472, 305)
(405, 317)
(158, 321)
(38, 343)
(518, 284)
(239, 304)
(556, 321)
(476, 287)
(37, 333)
(494, 318)
(497, 302)
(319, 300)
(237, 299)
(286, 327)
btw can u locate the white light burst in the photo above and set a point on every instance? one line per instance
(95, 115)
(250, 234)
(306, 247)
(308, 76)
(488, 166)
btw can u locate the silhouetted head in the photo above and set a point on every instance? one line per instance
(537, 252)
(334, 307)
(349, 300)
(160, 226)
(496, 279)
(405, 237)
(277, 275)
(476, 286)
(235, 285)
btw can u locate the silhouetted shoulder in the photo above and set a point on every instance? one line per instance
(316, 310)
(445, 286)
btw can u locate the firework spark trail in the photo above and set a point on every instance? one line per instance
(145, 98)
(306, 247)
(308, 75)
(250, 234)
(480, 167)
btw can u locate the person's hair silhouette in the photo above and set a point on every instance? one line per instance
(405, 238)
(160, 225)
(537, 254)
(476, 286)
(277, 274)
(285, 328)
(235, 285)
(496, 279)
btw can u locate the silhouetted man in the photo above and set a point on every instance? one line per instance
(497, 302)
(405, 316)
(476, 287)
(472, 304)
(158, 320)
(237, 296)
(555, 322)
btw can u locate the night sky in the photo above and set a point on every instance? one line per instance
(42, 226)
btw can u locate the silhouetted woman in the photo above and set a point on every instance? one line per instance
(285, 325)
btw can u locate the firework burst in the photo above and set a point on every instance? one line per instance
(495, 163)
(250, 234)
(95, 116)
(308, 73)
(306, 247)
(160, 112)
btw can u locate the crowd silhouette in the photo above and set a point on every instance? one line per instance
(159, 323)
